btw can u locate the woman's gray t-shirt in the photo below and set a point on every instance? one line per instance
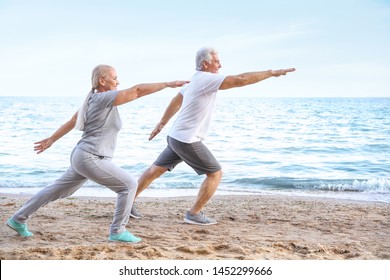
(101, 126)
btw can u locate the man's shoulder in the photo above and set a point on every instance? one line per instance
(208, 75)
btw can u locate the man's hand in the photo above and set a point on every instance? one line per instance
(277, 73)
(156, 130)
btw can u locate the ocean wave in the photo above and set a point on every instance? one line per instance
(369, 186)
(374, 185)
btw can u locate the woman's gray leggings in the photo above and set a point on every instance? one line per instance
(86, 166)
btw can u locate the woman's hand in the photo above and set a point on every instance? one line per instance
(175, 84)
(42, 145)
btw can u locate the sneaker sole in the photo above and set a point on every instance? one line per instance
(127, 242)
(187, 221)
(135, 217)
(8, 225)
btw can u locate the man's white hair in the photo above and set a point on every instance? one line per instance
(204, 54)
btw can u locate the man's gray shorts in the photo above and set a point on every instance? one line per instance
(196, 155)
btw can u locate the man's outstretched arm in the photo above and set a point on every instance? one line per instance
(249, 78)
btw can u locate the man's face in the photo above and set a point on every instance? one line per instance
(214, 64)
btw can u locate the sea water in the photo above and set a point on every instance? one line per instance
(326, 147)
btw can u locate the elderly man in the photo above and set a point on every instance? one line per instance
(197, 102)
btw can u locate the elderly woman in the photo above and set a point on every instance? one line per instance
(100, 122)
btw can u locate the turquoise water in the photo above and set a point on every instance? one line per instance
(312, 147)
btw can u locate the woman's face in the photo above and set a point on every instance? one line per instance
(109, 81)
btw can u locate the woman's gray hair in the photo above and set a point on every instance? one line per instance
(204, 54)
(98, 72)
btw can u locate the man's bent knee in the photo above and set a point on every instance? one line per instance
(156, 171)
(216, 175)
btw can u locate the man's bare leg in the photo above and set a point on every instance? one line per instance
(153, 172)
(206, 191)
(149, 175)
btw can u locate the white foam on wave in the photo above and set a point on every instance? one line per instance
(374, 185)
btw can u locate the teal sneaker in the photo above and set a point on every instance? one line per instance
(125, 236)
(21, 229)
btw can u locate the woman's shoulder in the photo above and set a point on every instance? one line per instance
(104, 98)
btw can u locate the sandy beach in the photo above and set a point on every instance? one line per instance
(249, 227)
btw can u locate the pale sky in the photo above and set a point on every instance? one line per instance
(340, 48)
